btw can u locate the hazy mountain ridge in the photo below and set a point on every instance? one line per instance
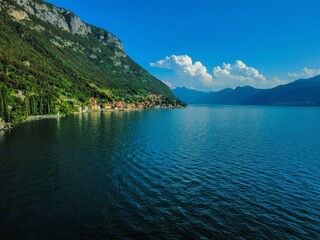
(189, 95)
(302, 92)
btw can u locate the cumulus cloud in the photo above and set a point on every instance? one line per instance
(306, 73)
(239, 74)
(184, 67)
(229, 75)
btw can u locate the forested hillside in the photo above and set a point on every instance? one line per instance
(51, 61)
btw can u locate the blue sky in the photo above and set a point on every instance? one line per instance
(209, 44)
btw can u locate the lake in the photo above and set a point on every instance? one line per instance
(204, 172)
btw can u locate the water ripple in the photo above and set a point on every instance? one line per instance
(196, 173)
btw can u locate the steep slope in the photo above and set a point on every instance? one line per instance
(303, 92)
(59, 62)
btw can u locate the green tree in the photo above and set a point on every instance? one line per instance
(4, 99)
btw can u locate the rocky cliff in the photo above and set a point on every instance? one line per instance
(60, 18)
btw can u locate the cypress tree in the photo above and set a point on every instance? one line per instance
(27, 106)
(1, 105)
(4, 110)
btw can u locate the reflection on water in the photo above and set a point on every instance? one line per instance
(1, 135)
(201, 172)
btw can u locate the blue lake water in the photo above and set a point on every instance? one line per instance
(204, 172)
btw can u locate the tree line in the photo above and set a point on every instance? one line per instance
(14, 108)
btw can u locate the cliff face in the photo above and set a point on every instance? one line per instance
(60, 18)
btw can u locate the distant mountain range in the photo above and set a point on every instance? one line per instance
(302, 92)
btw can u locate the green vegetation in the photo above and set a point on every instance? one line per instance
(46, 70)
(4, 109)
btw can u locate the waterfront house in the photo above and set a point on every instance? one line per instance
(93, 104)
(107, 106)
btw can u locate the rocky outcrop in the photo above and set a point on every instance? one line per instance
(18, 14)
(51, 16)
(109, 39)
(76, 26)
(60, 18)
(56, 16)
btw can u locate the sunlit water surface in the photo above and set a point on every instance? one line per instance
(197, 173)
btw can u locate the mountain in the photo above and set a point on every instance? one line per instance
(57, 62)
(302, 92)
(226, 96)
(188, 95)
(229, 96)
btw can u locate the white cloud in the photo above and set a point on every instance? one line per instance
(239, 74)
(169, 84)
(306, 73)
(184, 67)
(195, 75)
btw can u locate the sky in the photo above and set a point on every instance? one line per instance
(213, 44)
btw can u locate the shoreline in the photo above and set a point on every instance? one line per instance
(40, 117)
(5, 126)
(8, 126)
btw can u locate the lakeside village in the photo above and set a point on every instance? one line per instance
(35, 109)
(153, 101)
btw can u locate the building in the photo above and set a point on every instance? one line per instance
(93, 104)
